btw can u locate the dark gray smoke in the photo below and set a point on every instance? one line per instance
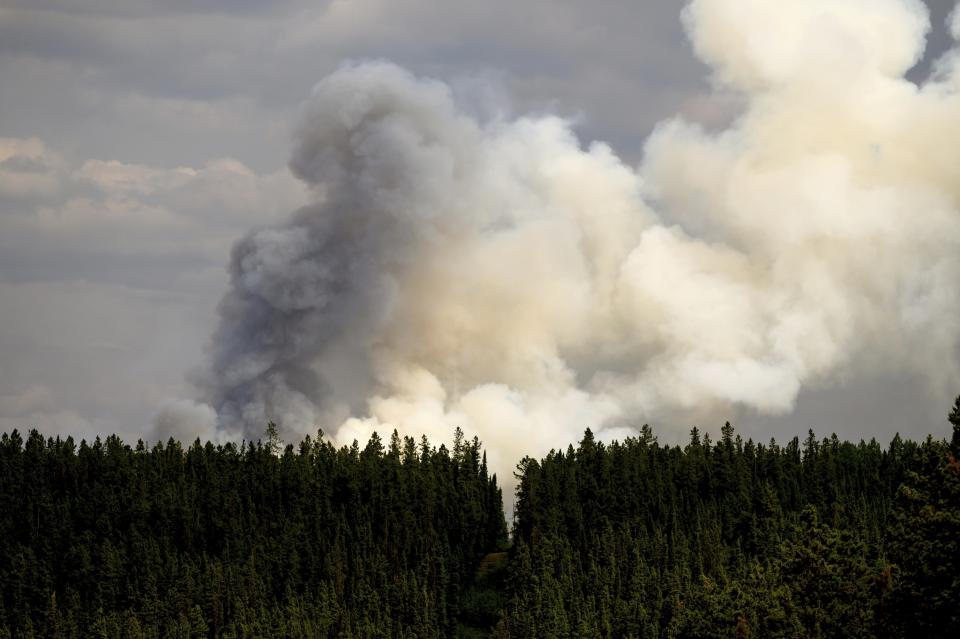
(324, 278)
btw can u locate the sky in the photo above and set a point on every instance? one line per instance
(139, 141)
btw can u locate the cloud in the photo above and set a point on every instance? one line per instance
(109, 274)
(36, 407)
(32, 399)
(130, 222)
(124, 89)
(27, 169)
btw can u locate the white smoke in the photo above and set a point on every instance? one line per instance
(500, 277)
(184, 420)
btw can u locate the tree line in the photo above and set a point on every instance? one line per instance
(733, 539)
(818, 538)
(111, 541)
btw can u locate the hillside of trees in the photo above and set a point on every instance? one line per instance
(818, 538)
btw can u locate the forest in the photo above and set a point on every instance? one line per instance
(817, 538)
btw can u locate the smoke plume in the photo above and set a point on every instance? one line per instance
(500, 276)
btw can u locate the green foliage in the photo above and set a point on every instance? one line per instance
(729, 539)
(105, 540)
(924, 546)
(821, 539)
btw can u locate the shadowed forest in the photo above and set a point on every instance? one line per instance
(728, 538)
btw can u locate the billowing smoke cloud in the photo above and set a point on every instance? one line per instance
(499, 276)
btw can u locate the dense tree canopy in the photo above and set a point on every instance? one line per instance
(736, 539)
(729, 539)
(105, 540)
